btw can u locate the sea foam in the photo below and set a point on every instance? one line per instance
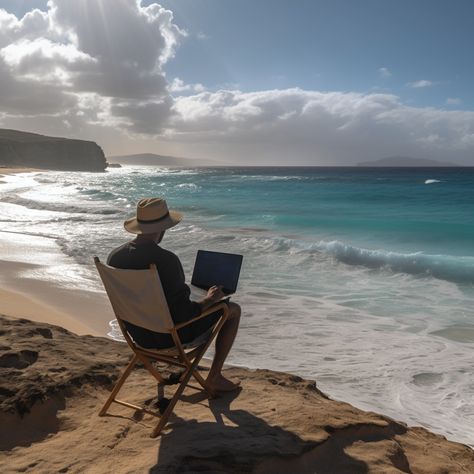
(457, 269)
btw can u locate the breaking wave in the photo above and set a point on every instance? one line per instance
(456, 269)
(57, 207)
(444, 267)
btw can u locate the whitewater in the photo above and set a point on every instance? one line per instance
(362, 279)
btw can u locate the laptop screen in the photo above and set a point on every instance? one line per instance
(217, 268)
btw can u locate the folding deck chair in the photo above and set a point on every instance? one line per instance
(137, 297)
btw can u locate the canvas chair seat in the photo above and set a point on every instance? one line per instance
(198, 341)
(137, 297)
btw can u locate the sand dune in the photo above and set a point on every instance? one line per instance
(53, 382)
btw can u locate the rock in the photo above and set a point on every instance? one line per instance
(277, 423)
(41, 360)
(23, 149)
(18, 360)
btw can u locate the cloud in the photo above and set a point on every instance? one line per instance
(143, 117)
(311, 127)
(384, 73)
(110, 50)
(96, 69)
(421, 83)
(41, 60)
(178, 85)
(453, 101)
(32, 25)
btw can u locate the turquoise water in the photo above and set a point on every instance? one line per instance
(360, 278)
(392, 209)
(372, 217)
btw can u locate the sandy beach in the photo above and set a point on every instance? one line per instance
(21, 302)
(11, 170)
(24, 293)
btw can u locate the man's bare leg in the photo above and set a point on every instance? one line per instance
(224, 341)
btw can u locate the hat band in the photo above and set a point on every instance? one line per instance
(143, 221)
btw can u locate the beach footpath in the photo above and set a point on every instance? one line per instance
(53, 383)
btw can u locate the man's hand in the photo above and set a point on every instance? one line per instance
(214, 294)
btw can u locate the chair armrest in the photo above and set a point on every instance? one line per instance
(209, 311)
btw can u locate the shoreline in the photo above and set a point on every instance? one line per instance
(24, 294)
(11, 170)
(22, 299)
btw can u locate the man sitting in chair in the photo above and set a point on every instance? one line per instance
(149, 225)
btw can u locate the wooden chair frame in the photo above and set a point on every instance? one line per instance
(177, 356)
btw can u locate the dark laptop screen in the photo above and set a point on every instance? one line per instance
(216, 268)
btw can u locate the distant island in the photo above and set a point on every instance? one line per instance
(24, 149)
(405, 161)
(151, 159)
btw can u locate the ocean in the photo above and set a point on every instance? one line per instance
(360, 278)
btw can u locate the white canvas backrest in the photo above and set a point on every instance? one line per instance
(137, 297)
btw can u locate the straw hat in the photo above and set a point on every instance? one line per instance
(152, 216)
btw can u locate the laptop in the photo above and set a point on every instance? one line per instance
(217, 268)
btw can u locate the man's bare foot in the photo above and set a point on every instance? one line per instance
(221, 384)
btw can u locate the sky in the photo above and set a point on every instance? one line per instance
(269, 82)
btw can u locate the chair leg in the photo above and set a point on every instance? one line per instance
(169, 409)
(118, 385)
(149, 366)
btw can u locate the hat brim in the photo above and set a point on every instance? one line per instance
(135, 227)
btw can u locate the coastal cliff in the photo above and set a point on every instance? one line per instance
(53, 383)
(23, 149)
